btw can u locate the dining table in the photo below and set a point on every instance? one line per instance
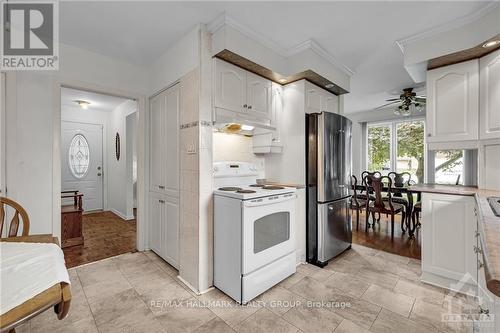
(405, 190)
(57, 296)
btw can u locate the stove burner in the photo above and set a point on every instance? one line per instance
(273, 187)
(246, 191)
(256, 185)
(230, 189)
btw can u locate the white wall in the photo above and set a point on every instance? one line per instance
(491, 162)
(31, 170)
(235, 147)
(119, 176)
(179, 60)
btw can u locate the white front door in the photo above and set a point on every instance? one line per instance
(81, 162)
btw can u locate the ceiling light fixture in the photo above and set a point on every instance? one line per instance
(282, 80)
(491, 43)
(329, 86)
(83, 104)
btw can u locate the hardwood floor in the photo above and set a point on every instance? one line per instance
(106, 235)
(380, 237)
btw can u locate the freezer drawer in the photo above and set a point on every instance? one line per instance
(334, 233)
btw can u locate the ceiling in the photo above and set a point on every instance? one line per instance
(98, 102)
(361, 35)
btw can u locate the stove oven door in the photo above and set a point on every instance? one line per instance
(268, 230)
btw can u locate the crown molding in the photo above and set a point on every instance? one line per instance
(454, 24)
(310, 44)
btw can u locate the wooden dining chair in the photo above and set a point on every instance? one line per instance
(364, 195)
(401, 179)
(415, 215)
(357, 204)
(382, 206)
(14, 223)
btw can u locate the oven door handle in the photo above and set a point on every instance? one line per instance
(271, 200)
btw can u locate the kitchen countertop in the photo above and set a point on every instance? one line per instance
(489, 227)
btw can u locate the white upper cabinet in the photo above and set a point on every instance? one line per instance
(489, 114)
(259, 92)
(230, 87)
(241, 91)
(318, 100)
(453, 102)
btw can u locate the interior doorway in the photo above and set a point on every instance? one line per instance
(98, 175)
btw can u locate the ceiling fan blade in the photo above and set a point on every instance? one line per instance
(393, 99)
(421, 99)
(383, 106)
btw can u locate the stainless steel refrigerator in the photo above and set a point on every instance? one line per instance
(328, 169)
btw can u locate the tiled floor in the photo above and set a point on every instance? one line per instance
(380, 237)
(106, 235)
(362, 291)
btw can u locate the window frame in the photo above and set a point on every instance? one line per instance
(393, 124)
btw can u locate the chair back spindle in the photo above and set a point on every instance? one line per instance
(14, 223)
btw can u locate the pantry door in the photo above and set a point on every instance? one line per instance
(81, 162)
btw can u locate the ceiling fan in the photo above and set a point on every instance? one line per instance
(407, 102)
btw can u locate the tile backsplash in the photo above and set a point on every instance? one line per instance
(236, 147)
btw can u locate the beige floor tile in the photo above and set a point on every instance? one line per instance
(322, 275)
(162, 263)
(347, 326)
(346, 265)
(388, 321)
(215, 325)
(347, 283)
(100, 271)
(226, 308)
(383, 279)
(358, 311)
(411, 271)
(291, 280)
(395, 302)
(393, 257)
(141, 320)
(311, 319)
(420, 291)
(279, 300)
(82, 326)
(24, 328)
(185, 318)
(431, 316)
(313, 290)
(115, 306)
(159, 295)
(105, 289)
(265, 321)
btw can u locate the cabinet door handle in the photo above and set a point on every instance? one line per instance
(479, 264)
(477, 233)
(161, 187)
(161, 201)
(249, 107)
(484, 311)
(245, 106)
(477, 249)
(429, 134)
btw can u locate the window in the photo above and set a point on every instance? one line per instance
(397, 146)
(379, 148)
(455, 167)
(79, 156)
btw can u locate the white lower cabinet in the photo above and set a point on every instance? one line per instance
(164, 227)
(449, 228)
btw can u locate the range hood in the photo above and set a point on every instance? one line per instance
(224, 119)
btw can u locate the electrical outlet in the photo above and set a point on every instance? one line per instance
(191, 149)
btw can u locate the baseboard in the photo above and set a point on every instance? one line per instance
(125, 217)
(446, 283)
(193, 289)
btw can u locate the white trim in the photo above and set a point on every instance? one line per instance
(454, 24)
(124, 217)
(310, 44)
(142, 155)
(3, 136)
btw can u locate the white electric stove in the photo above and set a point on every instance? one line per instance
(254, 236)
